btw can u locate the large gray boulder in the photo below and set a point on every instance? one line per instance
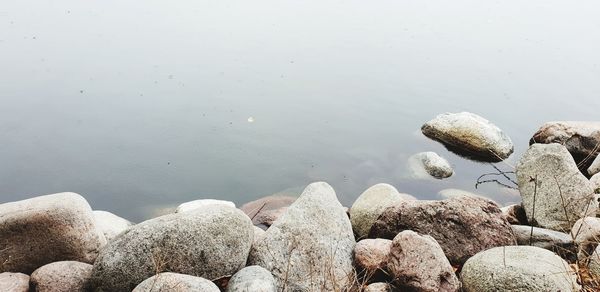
(558, 242)
(209, 242)
(580, 138)
(518, 269)
(173, 282)
(46, 229)
(417, 263)
(65, 276)
(548, 174)
(469, 135)
(370, 204)
(310, 247)
(110, 224)
(462, 226)
(250, 279)
(429, 164)
(14, 282)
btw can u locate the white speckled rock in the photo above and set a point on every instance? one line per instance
(378, 287)
(370, 204)
(110, 224)
(173, 282)
(417, 263)
(258, 233)
(372, 254)
(209, 242)
(518, 269)
(469, 135)
(545, 172)
(192, 205)
(430, 164)
(46, 229)
(595, 167)
(586, 232)
(310, 247)
(252, 278)
(14, 282)
(544, 238)
(595, 181)
(65, 276)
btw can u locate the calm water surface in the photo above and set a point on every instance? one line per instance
(142, 105)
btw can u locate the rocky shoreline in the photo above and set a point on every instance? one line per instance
(385, 241)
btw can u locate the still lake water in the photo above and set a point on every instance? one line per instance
(142, 105)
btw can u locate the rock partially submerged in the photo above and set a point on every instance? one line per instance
(193, 205)
(462, 226)
(266, 210)
(14, 282)
(110, 224)
(370, 204)
(209, 242)
(549, 179)
(177, 283)
(61, 277)
(310, 247)
(252, 278)
(518, 269)
(46, 229)
(469, 135)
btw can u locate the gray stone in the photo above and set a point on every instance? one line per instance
(562, 194)
(417, 263)
(378, 287)
(192, 205)
(65, 276)
(586, 232)
(209, 242)
(14, 282)
(595, 167)
(580, 138)
(594, 263)
(462, 226)
(372, 254)
(46, 229)
(370, 204)
(258, 233)
(518, 269)
(469, 135)
(110, 224)
(455, 193)
(310, 247)
(173, 282)
(429, 164)
(544, 238)
(514, 214)
(595, 181)
(252, 279)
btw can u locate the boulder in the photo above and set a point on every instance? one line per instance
(267, 217)
(264, 211)
(555, 241)
(174, 282)
(252, 278)
(594, 167)
(46, 229)
(595, 181)
(192, 205)
(548, 174)
(462, 226)
(370, 204)
(372, 254)
(417, 263)
(258, 233)
(209, 242)
(65, 276)
(110, 224)
(469, 135)
(310, 247)
(581, 139)
(514, 214)
(586, 234)
(594, 264)
(430, 164)
(14, 282)
(518, 269)
(378, 287)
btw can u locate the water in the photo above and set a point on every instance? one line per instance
(142, 105)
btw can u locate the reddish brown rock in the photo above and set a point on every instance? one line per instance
(372, 254)
(66, 276)
(265, 211)
(417, 263)
(14, 282)
(462, 226)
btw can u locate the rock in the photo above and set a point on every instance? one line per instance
(192, 205)
(580, 139)
(264, 211)
(174, 282)
(209, 242)
(252, 278)
(455, 193)
(594, 167)
(14, 282)
(65, 276)
(258, 233)
(378, 287)
(594, 264)
(372, 254)
(110, 224)
(469, 135)
(518, 269)
(310, 247)
(429, 164)
(462, 226)
(514, 214)
(417, 263)
(370, 204)
(548, 173)
(586, 232)
(595, 181)
(54, 227)
(555, 241)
